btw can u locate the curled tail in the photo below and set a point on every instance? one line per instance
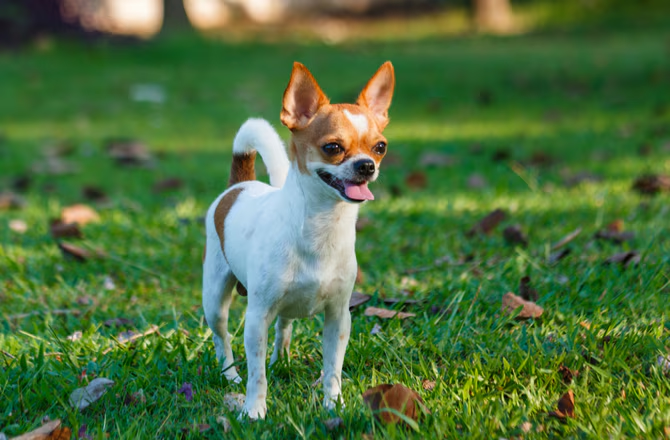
(257, 135)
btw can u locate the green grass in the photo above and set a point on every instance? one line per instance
(588, 101)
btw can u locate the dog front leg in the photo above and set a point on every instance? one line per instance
(255, 345)
(335, 339)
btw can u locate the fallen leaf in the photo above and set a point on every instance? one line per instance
(224, 422)
(18, 226)
(386, 313)
(203, 427)
(333, 424)
(567, 239)
(428, 385)
(169, 184)
(81, 398)
(234, 402)
(9, 200)
(80, 214)
(488, 223)
(187, 390)
(76, 252)
(94, 194)
(511, 302)
(436, 159)
(129, 152)
(615, 237)
(557, 256)
(416, 180)
(651, 184)
(625, 259)
(357, 299)
(526, 291)
(59, 229)
(513, 235)
(566, 406)
(476, 181)
(396, 397)
(567, 374)
(49, 431)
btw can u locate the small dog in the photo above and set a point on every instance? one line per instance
(291, 245)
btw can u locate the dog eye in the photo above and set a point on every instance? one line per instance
(380, 148)
(332, 149)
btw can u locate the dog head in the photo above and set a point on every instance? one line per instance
(339, 145)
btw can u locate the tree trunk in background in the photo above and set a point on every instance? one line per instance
(493, 15)
(174, 17)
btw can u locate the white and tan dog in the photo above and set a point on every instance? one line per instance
(291, 245)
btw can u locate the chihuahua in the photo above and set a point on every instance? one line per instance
(289, 246)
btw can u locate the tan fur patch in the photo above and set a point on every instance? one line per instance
(221, 212)
(242, 168)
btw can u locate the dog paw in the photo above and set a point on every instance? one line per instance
(330, 403)
(253, 412)
(234, 378)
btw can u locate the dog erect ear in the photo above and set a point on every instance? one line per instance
(378, 92)
(302, 99)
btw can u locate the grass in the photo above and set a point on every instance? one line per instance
(588, 102)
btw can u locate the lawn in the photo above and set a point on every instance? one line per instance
(551, 128)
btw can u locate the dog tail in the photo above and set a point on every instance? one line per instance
(257, 135)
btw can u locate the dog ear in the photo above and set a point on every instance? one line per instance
(378, 92)
(302, 99)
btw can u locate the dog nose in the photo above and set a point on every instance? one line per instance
(364, 167)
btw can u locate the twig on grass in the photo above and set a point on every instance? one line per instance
(153, 329)
(567, 239)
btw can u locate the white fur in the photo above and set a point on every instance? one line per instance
(258, 135)
(360, 122)
(293, 249)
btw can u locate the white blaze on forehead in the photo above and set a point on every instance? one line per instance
(360, 122)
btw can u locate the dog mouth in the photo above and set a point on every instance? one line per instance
(349, 190)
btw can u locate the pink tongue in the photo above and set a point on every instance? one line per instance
(358, 192)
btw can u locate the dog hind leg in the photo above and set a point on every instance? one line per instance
(217, 295)
(283, 329)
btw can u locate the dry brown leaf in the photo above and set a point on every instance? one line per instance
(94, 194)
(567, 239)
(76, 252)
(386, 313)
(129, 152)
(169, 184)
(81, 398)
(615, 237)
(234, 402)
(49, 431)
(513, 235)
(526, 291)
(625, 259)
(357, 299)
(650, 184)
(436, 159)
(397, 397)
(59, 229)
(567, 374)
(566, 406)
(428, 385)
(19, 226)
(488, 223)
(9, 200)
(511, 302)
(416, 180)
(80, 214)
(557, 256)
